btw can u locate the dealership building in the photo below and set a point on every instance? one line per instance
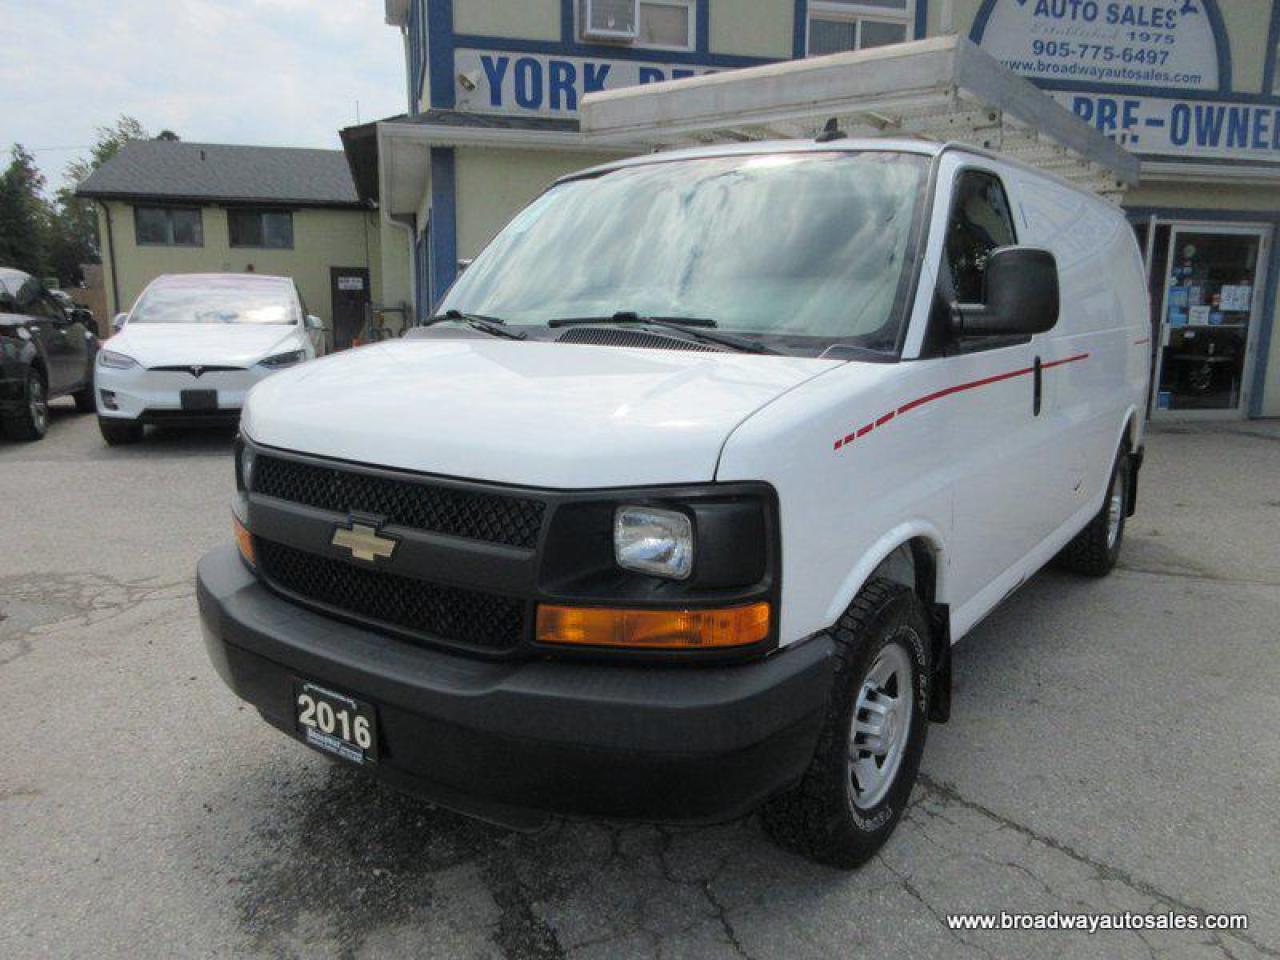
(494, 90)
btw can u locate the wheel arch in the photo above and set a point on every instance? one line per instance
(914, 555)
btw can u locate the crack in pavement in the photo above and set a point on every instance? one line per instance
(949, 794)
(38, 605)
(1203, 577)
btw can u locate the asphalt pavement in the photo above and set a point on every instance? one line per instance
(1113, 748)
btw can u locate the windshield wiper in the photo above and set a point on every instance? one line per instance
(477, 321)
(692, 326)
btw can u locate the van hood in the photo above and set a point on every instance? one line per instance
(211, 344)
(557, 415)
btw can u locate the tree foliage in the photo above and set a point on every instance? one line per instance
(55, 237)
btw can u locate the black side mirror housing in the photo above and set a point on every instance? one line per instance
(1021, 296)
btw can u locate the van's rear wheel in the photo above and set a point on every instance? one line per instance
(1096, 548)
(857, 786)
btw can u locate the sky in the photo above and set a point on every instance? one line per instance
(268, 72)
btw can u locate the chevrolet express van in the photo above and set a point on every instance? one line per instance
(675, 507)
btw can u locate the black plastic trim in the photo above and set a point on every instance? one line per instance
(572, 562)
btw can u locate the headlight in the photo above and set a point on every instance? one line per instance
(653, 541)
(117, 361)
(285, 359)
(245, 457)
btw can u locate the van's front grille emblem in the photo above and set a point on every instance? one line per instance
(364, 542)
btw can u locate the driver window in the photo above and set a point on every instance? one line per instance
(44, 307)
(980, 222)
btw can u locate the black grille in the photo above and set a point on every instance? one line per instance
(481, 620)
(514, 521)
(610, 337)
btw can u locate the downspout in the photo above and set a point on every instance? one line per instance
(111, 260)
(407, 229)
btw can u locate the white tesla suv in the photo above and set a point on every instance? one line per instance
(193, 345)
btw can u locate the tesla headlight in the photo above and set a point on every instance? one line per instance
(285, 359)
(653, 541)
(116, 361)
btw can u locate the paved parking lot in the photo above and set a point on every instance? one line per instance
(1114, 747)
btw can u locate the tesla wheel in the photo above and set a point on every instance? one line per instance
(84, 399)
(118, 432)
(32, 422)
(1096, 548)
(850, 799)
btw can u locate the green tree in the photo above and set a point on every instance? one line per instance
(24, 215)
(75, 237)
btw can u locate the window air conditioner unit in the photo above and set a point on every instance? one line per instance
(616, 20)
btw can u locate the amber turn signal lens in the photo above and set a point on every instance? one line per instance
(654, 629)
(245, 542)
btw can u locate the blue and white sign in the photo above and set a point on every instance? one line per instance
(1169, 44)
(496, 81)
(1166, 126)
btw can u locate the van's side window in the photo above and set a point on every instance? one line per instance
(980, 222)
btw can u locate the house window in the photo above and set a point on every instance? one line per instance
(168, 226)
(839, 25)
(264, 229)
(667, 24)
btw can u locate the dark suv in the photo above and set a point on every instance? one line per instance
(45, 352)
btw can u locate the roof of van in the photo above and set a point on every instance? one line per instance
(925, 148)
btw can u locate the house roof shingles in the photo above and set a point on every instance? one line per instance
(216, 172)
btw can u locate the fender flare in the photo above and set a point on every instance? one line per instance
(880, 551)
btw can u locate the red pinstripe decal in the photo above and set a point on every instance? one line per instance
(939, 394)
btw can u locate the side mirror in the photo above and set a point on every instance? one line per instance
(118, 323)
(312, 322)
(463, 264)
(1022, 299)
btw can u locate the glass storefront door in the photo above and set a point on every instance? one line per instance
(1210, 307)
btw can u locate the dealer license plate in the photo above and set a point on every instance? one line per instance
(199, 399)
(336, 723)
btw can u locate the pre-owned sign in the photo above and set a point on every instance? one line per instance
(1149, 43)
(1166, 126)
(495, 81)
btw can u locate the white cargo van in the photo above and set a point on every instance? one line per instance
(676, 507)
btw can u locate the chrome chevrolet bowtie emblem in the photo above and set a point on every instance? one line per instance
(364, 542)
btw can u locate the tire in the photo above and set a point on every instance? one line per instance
(119, 432)
(33, 422)
(84, 398)
(1096, 548)
(841, 813)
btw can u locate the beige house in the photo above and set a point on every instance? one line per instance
(176, 207)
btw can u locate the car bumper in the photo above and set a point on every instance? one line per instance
(155, 396)
(515, 742)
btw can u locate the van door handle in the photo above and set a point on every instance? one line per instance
(1039, 378)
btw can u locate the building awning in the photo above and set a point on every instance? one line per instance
(944, 89)
(400, 147)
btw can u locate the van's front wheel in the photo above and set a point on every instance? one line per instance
(857, 786)
(1096, 548)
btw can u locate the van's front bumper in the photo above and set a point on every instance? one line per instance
(514, 742)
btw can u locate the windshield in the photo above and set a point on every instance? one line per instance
(215, 303)
(807, 245)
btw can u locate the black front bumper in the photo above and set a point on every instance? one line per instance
(515, 741)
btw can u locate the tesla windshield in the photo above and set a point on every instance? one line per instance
(787, 245)
(192, 301)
